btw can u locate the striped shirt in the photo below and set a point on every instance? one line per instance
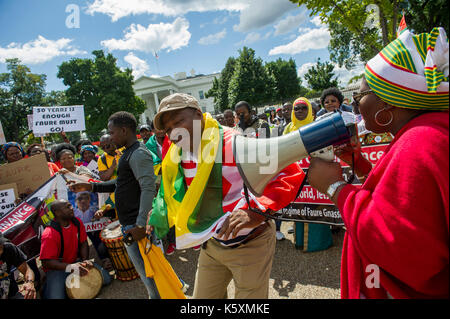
(233, 197)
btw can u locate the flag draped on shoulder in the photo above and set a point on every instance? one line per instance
(195, 211)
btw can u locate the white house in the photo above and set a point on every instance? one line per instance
(153, 89)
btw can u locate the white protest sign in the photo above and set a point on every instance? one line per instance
(55, 119)
(30, 125)
(2, 135)
(93, 167)
(97, 225)
(8, 194)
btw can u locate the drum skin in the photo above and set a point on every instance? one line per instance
(84, 287)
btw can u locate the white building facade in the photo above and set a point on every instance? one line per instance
(153, 89)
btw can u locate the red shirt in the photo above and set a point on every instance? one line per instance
(397, 221)
(51, 243)
(53, 168)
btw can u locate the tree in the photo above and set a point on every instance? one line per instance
(422, 15)
(359, 29)
(250, 80)
(287, 83)
(320, 76)
(101, 87)
(220, 86)
(20, 90)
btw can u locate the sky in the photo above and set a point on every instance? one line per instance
(186, 35)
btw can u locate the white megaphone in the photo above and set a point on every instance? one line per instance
(259, 160)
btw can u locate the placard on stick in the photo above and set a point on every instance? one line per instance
(29, 173)
(56, 119)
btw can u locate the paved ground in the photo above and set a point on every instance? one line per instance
(295, 274)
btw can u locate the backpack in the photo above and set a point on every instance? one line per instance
(56, 226)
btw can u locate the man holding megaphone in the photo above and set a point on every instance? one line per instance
(202, 195)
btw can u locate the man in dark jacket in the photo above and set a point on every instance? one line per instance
(134, 189)
(250, 125)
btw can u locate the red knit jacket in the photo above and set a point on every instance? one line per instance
(397, 240)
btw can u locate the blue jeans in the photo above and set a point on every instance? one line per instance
(55, 285)
(138, 262)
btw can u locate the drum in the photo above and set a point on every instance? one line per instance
(111, 236)
(84, 287)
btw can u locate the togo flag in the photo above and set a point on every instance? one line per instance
(197, 211)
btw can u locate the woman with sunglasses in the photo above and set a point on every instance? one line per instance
(318, 237)
(396, 244)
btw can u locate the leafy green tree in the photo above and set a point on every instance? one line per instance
(220, 86)
(20, 90)
(287, 83)
(359, 29)
(423, 15)
(102, 87)
(250, 80)
(320, 76)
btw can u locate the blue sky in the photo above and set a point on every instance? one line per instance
(187, 35)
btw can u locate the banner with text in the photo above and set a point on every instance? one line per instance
(56, 119)
(311, 206)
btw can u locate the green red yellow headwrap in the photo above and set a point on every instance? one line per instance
(412, 71)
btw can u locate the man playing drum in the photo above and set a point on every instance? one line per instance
(59, 256)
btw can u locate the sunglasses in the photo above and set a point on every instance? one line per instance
(357, 96)
(300, 108)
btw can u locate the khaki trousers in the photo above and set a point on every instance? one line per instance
(249, 265)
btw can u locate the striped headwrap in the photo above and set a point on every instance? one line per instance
(412, 71)
(6, 146)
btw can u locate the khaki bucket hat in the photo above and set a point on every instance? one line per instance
(173, 102)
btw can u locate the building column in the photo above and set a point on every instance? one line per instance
(155, 96)
(171, 91)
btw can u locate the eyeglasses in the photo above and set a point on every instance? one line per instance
(357, 96)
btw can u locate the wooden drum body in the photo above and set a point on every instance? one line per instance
(111, 236)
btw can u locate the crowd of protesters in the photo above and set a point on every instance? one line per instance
(397, 220)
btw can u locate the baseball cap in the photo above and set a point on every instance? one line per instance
(173, 102)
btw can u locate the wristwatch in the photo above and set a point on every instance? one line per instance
(333, 187)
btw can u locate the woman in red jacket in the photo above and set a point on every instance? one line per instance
(396, 244)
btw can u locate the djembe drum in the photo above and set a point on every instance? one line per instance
(112, 236)
(84, 287)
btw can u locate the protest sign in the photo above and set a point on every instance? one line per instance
(56, 119)
(311, 206)
(97, 225)
(93, 167)
(2, 135)
(8, 195)
(28, 173)
(30, 126)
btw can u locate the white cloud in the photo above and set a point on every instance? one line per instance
(304, 68)
(252, 37)
(139, 67)
(259, 14)
(289, 23)
(314, 39)
(117, 9)
(254, 14)
(213, 38)
(220, 20)
(317, 22)
(343, 75)
(156, 37)
(38, 51)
